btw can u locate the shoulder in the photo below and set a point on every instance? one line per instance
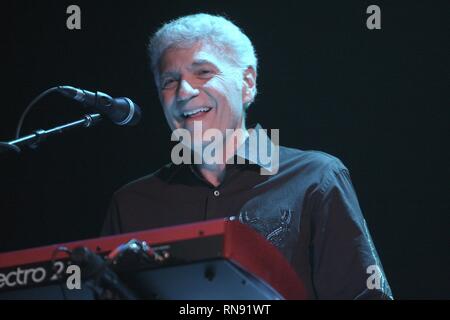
(316, 169)
(157, 179)
(314, 160)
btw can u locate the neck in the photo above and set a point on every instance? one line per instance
(215, 173)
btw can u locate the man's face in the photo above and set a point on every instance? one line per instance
(198, 84)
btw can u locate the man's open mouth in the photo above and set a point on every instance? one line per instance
(195, 112)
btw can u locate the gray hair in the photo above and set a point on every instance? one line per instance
(215, 30)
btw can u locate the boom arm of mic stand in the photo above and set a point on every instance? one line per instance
(38, 136)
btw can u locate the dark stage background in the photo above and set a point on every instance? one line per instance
(375, 99)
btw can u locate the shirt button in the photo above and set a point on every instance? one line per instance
(216, 193)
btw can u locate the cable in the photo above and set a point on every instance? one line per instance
(28, 108)
(59, 276)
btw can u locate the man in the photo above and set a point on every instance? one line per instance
(205, 71)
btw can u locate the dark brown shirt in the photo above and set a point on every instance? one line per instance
(308, 210)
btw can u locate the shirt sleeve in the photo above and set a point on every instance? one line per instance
(345, 264)
(111, 225)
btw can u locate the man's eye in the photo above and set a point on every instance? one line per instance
(204, 72)
(169, 83)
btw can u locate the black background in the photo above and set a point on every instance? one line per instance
(374, 98)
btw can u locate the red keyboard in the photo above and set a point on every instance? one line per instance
(189, 248)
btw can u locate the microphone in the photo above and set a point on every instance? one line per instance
(121, 111)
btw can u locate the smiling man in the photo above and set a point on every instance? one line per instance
(205, 69)
(201, 80)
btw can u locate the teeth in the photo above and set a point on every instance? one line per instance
(191, 113)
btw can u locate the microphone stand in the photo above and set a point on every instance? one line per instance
(33, 140)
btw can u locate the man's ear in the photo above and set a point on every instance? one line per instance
(249, 86)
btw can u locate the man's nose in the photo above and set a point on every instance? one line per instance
(186, 91)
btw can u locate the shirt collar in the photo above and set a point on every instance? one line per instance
(256, 142)
(259, 149)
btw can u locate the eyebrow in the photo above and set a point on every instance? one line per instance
(201, 62)
(197, 63)
(168, 74)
